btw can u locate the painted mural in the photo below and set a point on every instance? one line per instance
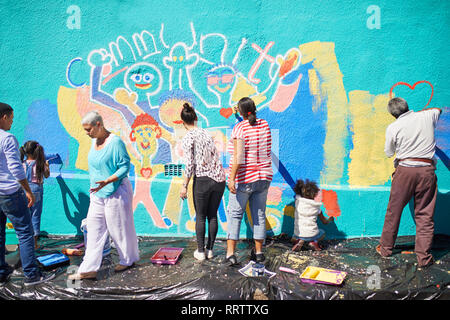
(139, 81)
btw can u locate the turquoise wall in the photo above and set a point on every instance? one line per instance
(321, 73)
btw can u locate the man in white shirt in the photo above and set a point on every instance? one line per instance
(411, 139)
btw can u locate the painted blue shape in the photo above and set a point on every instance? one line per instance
(445, 159)
(54, 138)
(221, 211)
(443, 137)
(302, 132)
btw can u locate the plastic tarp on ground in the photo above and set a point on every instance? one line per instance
(369, 276)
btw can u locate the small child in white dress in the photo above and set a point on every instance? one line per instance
(308, 203)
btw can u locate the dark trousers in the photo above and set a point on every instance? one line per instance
(419, 183)
(207, 196)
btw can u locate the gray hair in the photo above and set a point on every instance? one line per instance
(397, 107)
(92, 117)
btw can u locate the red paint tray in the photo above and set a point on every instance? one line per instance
(167, 255)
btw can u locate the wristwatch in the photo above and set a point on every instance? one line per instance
(185, 185)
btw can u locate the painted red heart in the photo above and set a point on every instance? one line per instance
(146, 172)
(412, 87)
(226, 112)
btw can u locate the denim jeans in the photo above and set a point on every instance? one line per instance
(255, 193)
(36, 209)
(314, 238)
(14, 207)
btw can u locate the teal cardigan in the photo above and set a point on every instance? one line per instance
(112, 159)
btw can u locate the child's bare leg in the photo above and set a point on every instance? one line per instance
(298, 244)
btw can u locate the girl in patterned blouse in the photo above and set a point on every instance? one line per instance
(202, 161)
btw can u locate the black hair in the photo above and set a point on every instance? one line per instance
(306, 189)
(188, 114)
(35, 150)
(248, 109)
(5, 109)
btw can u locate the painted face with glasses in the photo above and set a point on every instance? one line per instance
(221, 79)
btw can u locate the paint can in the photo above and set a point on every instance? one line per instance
(106, 249)
(258, 270)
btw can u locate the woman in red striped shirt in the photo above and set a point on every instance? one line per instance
(250, 177)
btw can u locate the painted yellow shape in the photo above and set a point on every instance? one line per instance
(271, 223)
(332, 89)
(122, 96)
(314, 88)
(71, 120)
(172, 207)
(289, 211)
(242, 89)
(273, 211)
(369, 165)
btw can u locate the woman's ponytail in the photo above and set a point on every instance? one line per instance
(39, 156)
(248, 109)
(35, 150)
(22, 153)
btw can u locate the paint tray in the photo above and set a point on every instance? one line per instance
(324, 276)
(53, 260)
(167, 255)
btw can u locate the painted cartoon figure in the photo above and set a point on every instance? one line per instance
(146, 133)
(144, 81)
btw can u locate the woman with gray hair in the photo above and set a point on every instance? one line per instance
(110, 210)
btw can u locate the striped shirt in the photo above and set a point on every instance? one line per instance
(201, 157)
(257, 158)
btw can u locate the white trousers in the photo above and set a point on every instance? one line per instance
(113, 216)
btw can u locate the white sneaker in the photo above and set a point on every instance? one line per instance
(199, 255)
(209, 253)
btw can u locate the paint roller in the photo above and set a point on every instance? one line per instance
(54, 158)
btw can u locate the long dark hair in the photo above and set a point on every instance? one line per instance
(248, 109)
(36, 151)
(306, 189)
(188, 114)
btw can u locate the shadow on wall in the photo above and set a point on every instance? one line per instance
(81, 204)
(331, 229)
(441, 213)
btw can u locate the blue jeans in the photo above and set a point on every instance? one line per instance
(255, 193)
(36, 209)
(14, 207)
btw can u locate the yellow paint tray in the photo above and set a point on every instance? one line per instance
(322, 275)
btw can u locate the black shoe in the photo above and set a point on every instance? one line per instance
(259, 257)
(39, 279)
(231, 260)
(4, 278)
